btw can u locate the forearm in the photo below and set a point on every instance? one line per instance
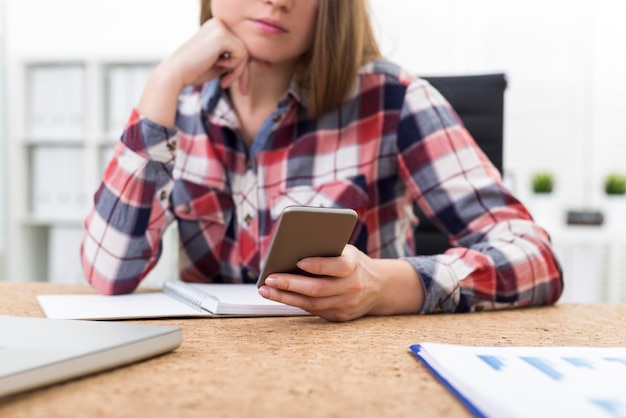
(513, 265)
(159, 99)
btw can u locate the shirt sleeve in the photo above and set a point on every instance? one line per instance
(500, 258)
(123, 230)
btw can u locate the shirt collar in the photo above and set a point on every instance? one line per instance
(211, 94)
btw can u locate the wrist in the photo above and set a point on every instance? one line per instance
(159, 100)
(401, 290)
(167, 76)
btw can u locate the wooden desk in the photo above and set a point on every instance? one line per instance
(300, 366)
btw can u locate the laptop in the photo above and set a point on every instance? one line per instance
(36, 352)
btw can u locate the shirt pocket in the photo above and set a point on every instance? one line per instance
(197, 202)
(350, 193)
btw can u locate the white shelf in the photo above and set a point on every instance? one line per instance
(61, 135)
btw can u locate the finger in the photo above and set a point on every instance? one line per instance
(233, 75)
(341, 266)
(261, 63)
(308, 286)
(208, 75)
(307, 303)
(244, 80)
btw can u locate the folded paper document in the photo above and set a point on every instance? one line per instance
(177, 299)
(531, 381)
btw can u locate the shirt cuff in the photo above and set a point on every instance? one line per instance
(441, 286)
(149, 139)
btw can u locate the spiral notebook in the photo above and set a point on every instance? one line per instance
(177, 299)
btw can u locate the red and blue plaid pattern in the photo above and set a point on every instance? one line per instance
(394, 141)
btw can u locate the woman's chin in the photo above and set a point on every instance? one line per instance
(261, 62)
(267, 55)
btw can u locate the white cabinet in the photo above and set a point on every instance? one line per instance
(65, 116)
(594, 263)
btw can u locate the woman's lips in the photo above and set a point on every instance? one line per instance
(269, 26)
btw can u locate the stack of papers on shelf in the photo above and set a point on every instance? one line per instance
(531, 381)
(57, 99)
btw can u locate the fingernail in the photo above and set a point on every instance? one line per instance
(270, 281)
(264, 291)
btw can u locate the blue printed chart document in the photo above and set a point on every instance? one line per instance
(531, 381)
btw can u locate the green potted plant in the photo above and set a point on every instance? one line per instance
(542, 204)
(615, 184)
(615, 201)
(542, 183)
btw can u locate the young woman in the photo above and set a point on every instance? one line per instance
(280, 102)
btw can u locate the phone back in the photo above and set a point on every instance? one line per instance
(303, 232)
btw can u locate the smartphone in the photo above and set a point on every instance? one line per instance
(306, 231)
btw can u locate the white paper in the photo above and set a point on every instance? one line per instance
(533, 381)
(239, 299)
(136, 305)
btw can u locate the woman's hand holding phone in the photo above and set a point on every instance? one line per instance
(310, 266)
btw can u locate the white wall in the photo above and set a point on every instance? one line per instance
(112, 27)
(565, 62)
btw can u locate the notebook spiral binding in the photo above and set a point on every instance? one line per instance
(187, 294)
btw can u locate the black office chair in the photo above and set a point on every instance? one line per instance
(479, 102)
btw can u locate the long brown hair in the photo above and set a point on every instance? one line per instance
(344, 41)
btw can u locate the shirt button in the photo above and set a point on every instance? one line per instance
(172, 145)
(251, 275)
(248, 220)
(187, 208)
(163, 195)
(276, 117)
(438, 308)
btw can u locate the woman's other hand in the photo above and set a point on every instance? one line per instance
(202, 58)
(214, 51)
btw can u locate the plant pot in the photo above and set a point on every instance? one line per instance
(615, 212)
(545, 210)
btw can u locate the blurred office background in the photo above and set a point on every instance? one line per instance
(564, 108)
(3, 137)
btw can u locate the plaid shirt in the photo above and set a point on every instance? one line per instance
(394, 141)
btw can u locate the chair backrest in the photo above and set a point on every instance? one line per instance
(479, 102)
